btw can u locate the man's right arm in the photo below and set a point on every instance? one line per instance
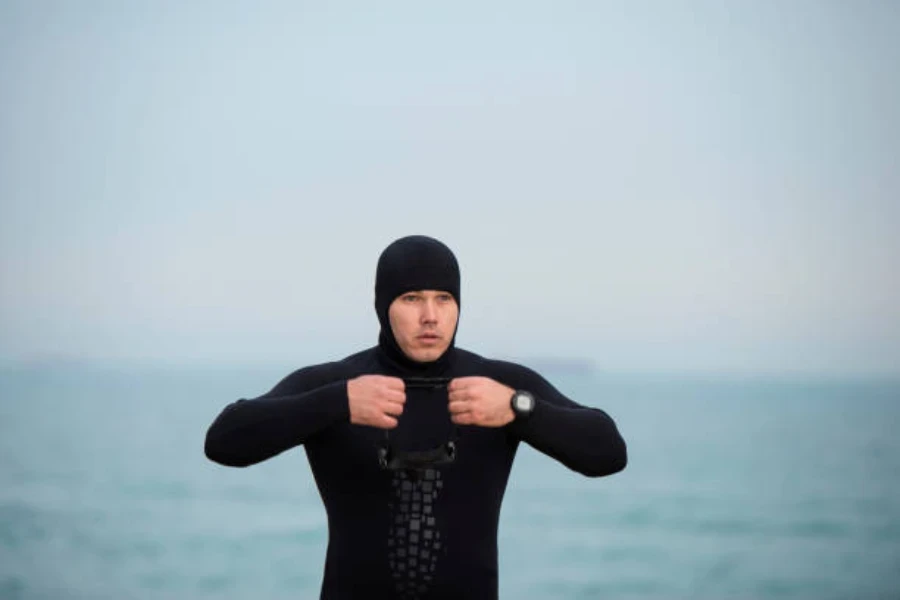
(249, 431)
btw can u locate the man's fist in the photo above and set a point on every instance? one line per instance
(376, 400)
(480, 401)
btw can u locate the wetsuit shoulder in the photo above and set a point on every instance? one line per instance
(510, 373)
(305, 403)
(317, 375)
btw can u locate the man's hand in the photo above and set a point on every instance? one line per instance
(376, 400)
(480, 401)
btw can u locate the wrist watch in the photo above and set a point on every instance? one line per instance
(522, 404)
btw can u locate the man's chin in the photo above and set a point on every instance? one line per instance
(427, 355)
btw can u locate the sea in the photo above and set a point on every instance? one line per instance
(736, 488)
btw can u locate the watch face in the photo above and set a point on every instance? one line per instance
(523, 402)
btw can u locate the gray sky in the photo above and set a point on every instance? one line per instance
(667, 185)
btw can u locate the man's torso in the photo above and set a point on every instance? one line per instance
(427, 533)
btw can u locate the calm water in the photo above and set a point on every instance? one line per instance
(740, 489)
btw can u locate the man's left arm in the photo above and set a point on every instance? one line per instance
(583, 438)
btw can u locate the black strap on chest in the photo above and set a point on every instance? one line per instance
(394, 460)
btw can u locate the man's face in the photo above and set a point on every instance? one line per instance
(423, 323)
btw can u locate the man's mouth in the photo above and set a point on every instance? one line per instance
(429, 337)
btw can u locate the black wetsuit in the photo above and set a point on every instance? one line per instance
(421, 534)
(428, 533)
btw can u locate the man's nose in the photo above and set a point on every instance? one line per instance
(429, 312)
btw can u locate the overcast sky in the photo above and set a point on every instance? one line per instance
(651, 185)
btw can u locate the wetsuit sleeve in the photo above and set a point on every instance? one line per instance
(249, 431)
(583, 438)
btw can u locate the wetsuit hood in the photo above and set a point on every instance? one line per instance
(411, 263)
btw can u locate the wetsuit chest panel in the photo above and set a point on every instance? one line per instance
(425, 422)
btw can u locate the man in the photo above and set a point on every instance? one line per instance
(411, 442)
